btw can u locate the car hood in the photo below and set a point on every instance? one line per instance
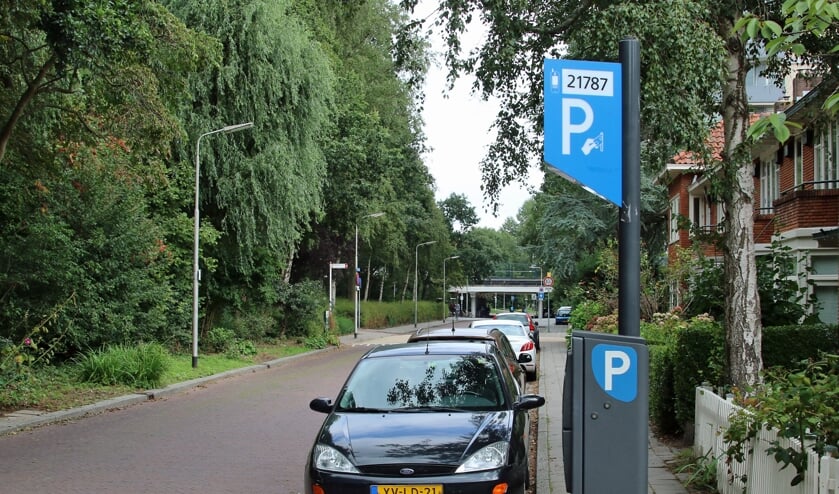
(407, 437)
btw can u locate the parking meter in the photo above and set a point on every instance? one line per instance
(605, 404)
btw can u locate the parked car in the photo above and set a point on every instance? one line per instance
(519, 339)
(429, 417)
(526, 321)
(515, 361)
(563, 314)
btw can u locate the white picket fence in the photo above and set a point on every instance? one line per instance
(764, 474)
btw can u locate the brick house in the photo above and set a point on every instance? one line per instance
(796, 198)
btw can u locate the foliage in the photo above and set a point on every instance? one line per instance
(699, 357)
(675, 371)
(783, 295)
(800, 32)
(583, 313)
(701, 472)
(460, 216)
(801, 405)
(219, 340)
(604, 324)
(299, 309)
(141, 366)
(786, 346)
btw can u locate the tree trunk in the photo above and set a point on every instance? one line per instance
(367, 285)
(405, 287)
(742, 310)
(382, 284)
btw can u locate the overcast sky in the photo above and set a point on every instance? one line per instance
(458, 131)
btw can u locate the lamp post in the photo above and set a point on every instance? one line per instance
(357, 270)
(444, 285)
(196, 273)
(416, 272)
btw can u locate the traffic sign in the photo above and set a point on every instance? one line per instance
(338, 265)
(583, 124)
(615, 368)
(548, 281)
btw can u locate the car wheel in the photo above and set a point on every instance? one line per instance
(531, 376)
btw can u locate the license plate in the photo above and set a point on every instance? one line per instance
(406, 489)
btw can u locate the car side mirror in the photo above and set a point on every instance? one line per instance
(322, 405)
(525, 358)
(527, 402)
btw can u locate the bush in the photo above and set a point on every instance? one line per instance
(800, 405)
(141, 367)
(584, 313)
(219, 340)
(787, 346)
(699, 357)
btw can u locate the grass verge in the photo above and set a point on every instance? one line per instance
(53, 388)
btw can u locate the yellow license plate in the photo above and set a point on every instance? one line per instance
(406, 489)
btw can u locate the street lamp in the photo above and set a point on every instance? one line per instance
(196, 274)
(416, 272)
(444, 285)
(357, 284)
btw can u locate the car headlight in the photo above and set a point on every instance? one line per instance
(328, 458)
(486, 458)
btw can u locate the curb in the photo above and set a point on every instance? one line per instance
(26, 419)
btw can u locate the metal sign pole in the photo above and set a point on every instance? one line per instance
(629, 244)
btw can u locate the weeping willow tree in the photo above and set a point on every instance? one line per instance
(260, 188)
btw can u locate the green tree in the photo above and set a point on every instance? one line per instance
(261, 189)
(689, 48)
(460, 216)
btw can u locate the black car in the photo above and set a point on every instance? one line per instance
(432, 417)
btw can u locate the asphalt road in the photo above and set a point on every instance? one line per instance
(244, 434)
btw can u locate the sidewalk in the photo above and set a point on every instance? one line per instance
(550, 474)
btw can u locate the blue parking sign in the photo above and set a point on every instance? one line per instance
(583, 124)
(615, 368)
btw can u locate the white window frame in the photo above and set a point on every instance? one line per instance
(674, 219)
(798, 160)
(769, 183)
(826, 159)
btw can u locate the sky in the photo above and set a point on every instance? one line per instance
(457, 127)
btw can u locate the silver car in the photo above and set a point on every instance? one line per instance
(519, 339)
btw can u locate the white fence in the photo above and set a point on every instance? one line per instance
(763, 473)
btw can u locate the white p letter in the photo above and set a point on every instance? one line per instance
(611, 369)
(569, 128)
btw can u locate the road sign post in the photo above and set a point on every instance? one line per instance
(333, 265)
(592, 132)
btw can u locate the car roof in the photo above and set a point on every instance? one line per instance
(431, 347)
(452, 334)
(482, 323)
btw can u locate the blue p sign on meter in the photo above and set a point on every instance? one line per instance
(583, 135)
(615, 368)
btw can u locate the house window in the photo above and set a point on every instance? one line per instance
(798, 161)
(826, 166)
(674, 219)
(700, 214)
(769, 188)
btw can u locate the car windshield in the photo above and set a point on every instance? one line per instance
(522, 318)
(511, 330)
(423, 383)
